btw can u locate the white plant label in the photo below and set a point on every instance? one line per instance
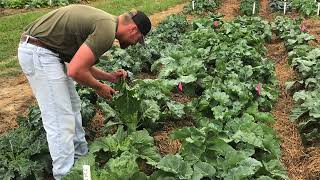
(86, 172)
(285, 7)
(254, 8)
(318, 8)
(192, 5)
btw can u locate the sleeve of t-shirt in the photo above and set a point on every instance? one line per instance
(102, 37)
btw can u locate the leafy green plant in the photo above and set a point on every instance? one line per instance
(2, 3)
(171, 28)
(34, 3)
(304, 59)
(201, 6)
(246, 7)
(235, 148)
(307, 7)
(24, 151)
(290, 31)
(278, 5)
(117, 156)
(136, 107)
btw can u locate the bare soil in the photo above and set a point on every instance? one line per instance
(313, 27)
(181, 98)
(158, 17)
(230, 9)
(16, 96)
(292, 150)
(162, 138)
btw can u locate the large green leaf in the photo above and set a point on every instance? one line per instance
(244, 169)
(201, 170)
(176, 165)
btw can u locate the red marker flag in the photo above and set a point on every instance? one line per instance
(258, 88)
(180, 87)
(216, 24)
(303, 28)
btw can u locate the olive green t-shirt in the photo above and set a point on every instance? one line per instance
(65, 29)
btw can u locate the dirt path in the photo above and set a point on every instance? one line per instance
(313, 27)
(264, 10)
(293, 155)
(158, 17)
(16, 94)
(229, 8)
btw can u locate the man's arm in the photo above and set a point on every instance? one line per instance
(111, 77)
(79, 70)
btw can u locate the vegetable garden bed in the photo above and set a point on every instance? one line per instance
(197, 107)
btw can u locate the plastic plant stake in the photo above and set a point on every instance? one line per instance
(254, 8)
(285, 7)
(192, 5)
(318, 9)
(86, 172)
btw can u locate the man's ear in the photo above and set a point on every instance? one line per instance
(133, 27)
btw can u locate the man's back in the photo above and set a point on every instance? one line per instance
(66, 29)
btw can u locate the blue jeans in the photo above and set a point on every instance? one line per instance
(59, 104)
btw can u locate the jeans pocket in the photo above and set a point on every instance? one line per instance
(26, 61)
(52, 66)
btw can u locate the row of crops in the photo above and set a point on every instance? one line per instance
(306, 7)
(252, 7)
(304, 58)
(34, 3)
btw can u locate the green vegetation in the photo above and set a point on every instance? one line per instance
(305, 90)
(305, 7)
(220, 67)
(246, 7)
(202, 6)
(34, 3)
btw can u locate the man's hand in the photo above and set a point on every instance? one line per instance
(106, 92)
(115, 76)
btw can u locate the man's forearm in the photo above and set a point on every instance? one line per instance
(87, 79)
(99, 74)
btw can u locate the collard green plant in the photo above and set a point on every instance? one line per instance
(278, 5)
(306, 7)
(291, 32)
(201, 6)
(117, 156)
(246, 7)
(24, 151)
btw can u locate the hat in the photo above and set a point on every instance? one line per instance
(142, 21)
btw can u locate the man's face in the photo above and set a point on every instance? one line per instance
(131, 37)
